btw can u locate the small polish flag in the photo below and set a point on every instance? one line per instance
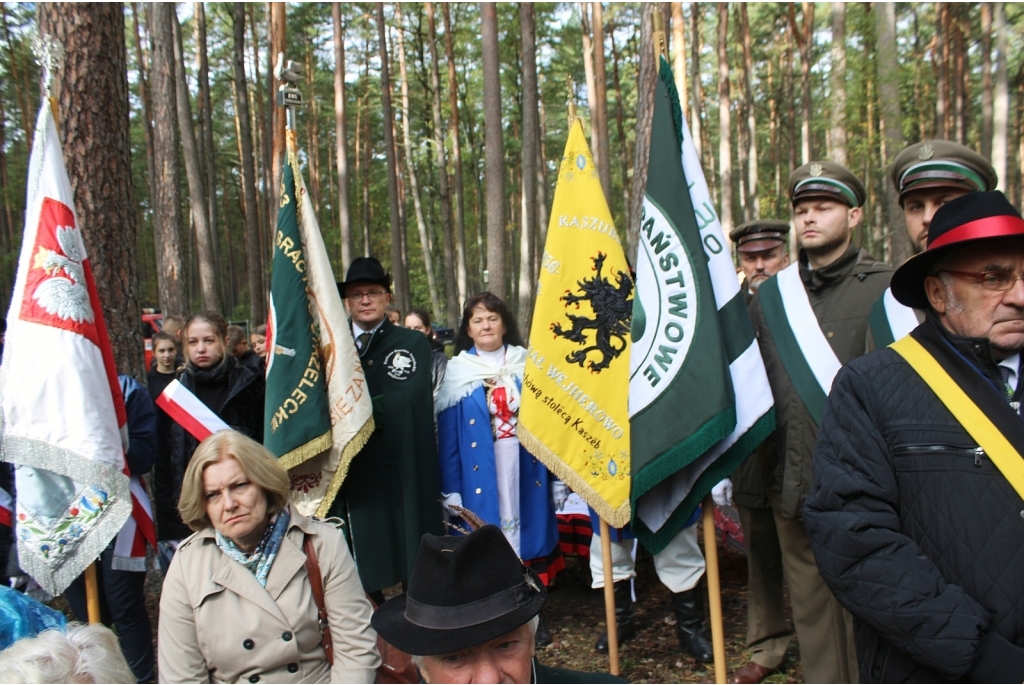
(190, 412)
(6, 509)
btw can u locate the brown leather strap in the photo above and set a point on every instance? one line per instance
(317, 583)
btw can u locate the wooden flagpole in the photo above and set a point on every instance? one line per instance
(92, 593)
(609, 599)
(714, 589)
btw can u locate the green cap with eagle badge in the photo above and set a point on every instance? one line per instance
(941, 164)
(827, 180)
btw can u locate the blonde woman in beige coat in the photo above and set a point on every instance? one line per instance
(237, 604)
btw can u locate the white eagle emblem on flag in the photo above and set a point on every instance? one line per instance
(64, 294)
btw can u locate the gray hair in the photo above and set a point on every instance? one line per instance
(81, 653)
(534, 622)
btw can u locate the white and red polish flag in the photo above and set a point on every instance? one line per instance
(189, 411)
(63, 413)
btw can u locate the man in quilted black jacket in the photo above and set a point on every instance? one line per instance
(916, 516)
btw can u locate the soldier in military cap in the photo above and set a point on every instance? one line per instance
(929, 174)
(926, 175)
(810, 319)
(761, 245)
(762, 250)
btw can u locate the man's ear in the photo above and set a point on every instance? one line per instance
(935, 289)
(785, 259)
(853, 217)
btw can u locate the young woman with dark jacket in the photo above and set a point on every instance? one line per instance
(233, 391)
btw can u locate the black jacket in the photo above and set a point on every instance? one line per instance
(914, 528)
(242, 410)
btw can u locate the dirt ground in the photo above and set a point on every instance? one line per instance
(575, 616)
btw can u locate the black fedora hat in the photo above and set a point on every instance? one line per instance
(465, 590)
(365, 270)
(967, 219)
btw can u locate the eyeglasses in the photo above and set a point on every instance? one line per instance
(997, 280)
(358, 297)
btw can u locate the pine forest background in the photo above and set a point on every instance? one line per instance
(475, 123)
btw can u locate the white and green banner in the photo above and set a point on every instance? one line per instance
(699, 399)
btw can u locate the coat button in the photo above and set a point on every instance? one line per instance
(472, 444)
(478, 491)
(254, 679)
(248, 644)
(293, 668)
(476, 467)
(286, 636)
(472, 421)
(370, 362)
(538, 484)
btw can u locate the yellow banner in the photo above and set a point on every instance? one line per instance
(574, 414)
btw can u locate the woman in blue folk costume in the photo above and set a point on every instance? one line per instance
(483, 466)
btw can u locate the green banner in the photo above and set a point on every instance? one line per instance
(298, 424)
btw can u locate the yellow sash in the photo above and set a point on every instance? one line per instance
(1006, 458)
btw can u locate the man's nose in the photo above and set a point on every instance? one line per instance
(1015, 295)
(486, 671)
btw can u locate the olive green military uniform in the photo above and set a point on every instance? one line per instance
(391, 495)
(841, 295)
(768, 632)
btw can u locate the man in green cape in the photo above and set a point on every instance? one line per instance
(391, 495)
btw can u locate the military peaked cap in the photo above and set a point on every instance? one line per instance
(759, 235)
(828, 180)
(941, 163)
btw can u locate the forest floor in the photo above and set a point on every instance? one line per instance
(575, 616)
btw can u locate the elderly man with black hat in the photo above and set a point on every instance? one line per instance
(810, 319)
(391, 495)
(470, 614)
(916, 516)
(761, 247)
(926, 175)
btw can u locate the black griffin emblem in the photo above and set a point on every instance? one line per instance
(612, 310)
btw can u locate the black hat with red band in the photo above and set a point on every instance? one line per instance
(969, 218)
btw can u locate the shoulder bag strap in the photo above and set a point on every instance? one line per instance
(317, 583)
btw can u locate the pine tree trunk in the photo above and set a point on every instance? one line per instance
(529, 232)
(341, 138)
(838, 83)
(147, 114)
(679, 55)
(804, 34)
(986, 80)
(1001, 98)
(621, 130)
(167, 200)
(940, 57)
(397, 227)
(887, 62)
(451, 286)
(647, 75)
(494, 154)
(604, 168)
(724, 122)
(421, 224)
(460, 201)
(253, 255)
(695, 122)
(209, 150)
(753, 200)
(588, 69)
(20, 90)
(92, 95)
(196, 189)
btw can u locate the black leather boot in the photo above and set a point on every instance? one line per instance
(543, 637)
(625, 616)
(693, 637)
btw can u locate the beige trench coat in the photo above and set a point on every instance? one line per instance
(218, 625)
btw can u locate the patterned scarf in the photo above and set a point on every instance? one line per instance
(263, 556)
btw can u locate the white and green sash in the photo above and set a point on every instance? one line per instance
(806, 354)
(889, 320)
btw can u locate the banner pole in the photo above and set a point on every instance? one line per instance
(714, 589)
(609, 599)
(92, 593)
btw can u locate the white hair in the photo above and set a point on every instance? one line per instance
(81, 653)
(534, 622)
